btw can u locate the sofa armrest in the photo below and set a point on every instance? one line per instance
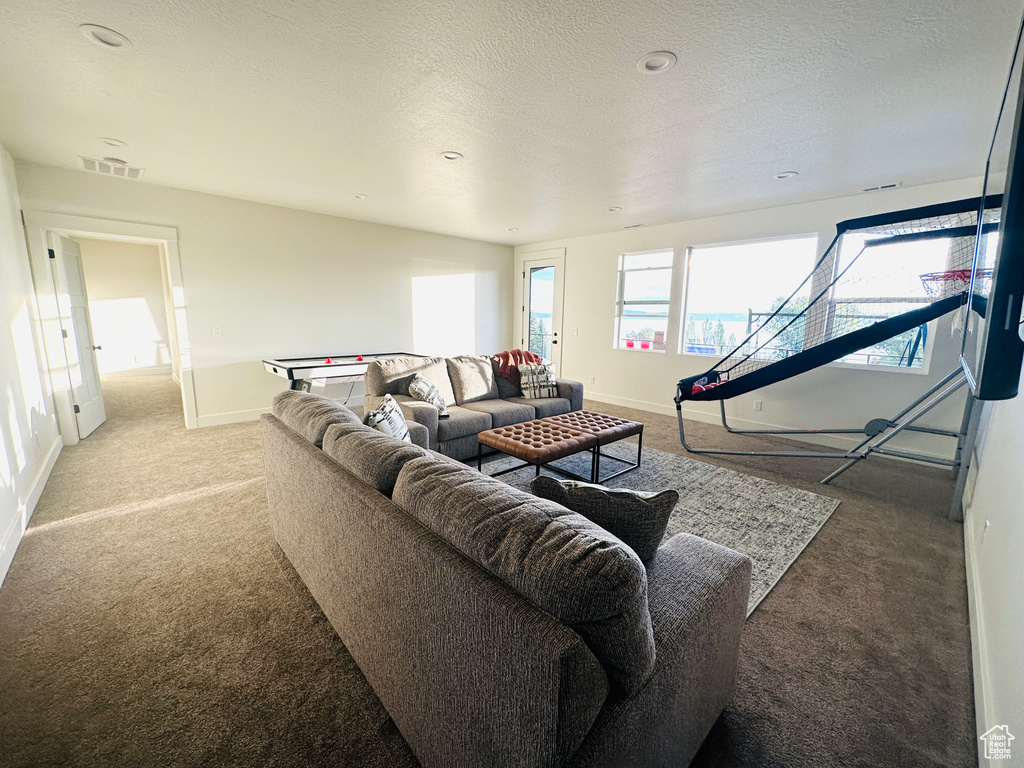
(416, 413)
(698, 592)
(571, 391)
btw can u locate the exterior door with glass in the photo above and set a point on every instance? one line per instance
(542, 305)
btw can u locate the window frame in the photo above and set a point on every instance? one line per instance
(621, 304)
(686, 283)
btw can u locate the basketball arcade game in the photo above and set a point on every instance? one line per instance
(984, 275)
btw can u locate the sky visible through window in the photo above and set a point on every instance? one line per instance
(726, 282)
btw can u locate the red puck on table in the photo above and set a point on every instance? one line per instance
(359, 359)
(328, 361)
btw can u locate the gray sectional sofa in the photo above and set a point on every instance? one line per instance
(497, 628)
(477, 399)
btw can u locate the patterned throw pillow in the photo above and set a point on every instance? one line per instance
(422, 388)
(537, 381)
(639, 518)
(389, 419)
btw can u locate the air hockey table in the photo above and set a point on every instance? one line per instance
(305, 373)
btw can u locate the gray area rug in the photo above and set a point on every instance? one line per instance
(769, 522)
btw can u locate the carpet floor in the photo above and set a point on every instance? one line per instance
(149, 618)
(769, 522)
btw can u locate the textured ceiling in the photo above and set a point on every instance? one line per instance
(304, 103)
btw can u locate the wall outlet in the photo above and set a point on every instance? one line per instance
(575, 331)
(758, 405)
(593, 380)
(217, 330)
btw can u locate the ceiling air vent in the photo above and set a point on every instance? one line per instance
(880, 187)
(110, 166)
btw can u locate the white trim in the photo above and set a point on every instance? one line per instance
(38, 223)
(984, 711)
(840, 442)
(13, 535)
(231, 417)
(148, 370)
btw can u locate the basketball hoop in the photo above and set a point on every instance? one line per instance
(940, 285)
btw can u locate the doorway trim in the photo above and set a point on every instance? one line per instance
(37, 224)
(556, 257)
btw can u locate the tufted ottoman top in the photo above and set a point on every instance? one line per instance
(538, 441)
(607, 429)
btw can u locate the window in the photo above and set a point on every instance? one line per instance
(732, 289)
(879, 281)
(641, 304)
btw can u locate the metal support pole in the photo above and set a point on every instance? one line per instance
(972, 417)
(910, 417)
(719, 452)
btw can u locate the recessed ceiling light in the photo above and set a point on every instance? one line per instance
(113, 142)
(449, 155)
(108, 38)
(615, 209)
(659, 61)
(359, 196)
(632, 226)
(785, 175)
(513, 229)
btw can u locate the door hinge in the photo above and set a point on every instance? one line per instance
(77, 409)
(63, 333)
(52, 254)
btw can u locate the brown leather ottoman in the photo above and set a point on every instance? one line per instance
(542, 441)
(607, 429)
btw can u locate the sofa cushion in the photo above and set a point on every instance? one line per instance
(639, 518)
(503, 412)
(462, 422)
(472, 378)
(557, 559)
(544, 406)
(310, 415)
(506, 387)
(372, 456)
(392, 376)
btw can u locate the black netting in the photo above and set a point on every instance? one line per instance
(860, 282)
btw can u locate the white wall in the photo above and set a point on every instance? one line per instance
(126, 305)
(276, 282)
(827, 397)
(29, 443)
(994, 538)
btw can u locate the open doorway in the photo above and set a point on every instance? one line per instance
(136, 301)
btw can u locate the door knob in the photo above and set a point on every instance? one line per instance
(97, 347)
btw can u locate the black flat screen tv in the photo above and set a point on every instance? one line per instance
(992, 348)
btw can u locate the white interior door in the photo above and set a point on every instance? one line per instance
(73, 307)
(542, 305)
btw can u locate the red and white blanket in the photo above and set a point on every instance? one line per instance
(509, 362)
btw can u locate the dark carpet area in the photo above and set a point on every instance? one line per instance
(150, 619)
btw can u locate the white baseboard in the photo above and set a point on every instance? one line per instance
(840, 442)
(231, 417)
(12, 536)
(152, 370)
(983, 707)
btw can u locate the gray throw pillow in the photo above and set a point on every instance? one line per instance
(422, 388)
(638, 518)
